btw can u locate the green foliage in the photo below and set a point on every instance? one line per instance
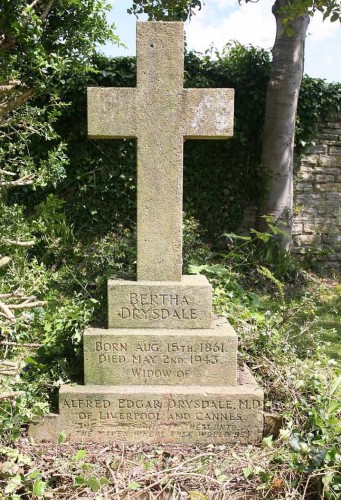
(44, 46)
(212, 169)
(282, 338)
(329, 8)
(257, 250)
(17, 480)
(183, 9)
(55, 324)
(165, 10)
(48, 46)
(99, 190)
(221, 178)
(23, 480)
(317, 100)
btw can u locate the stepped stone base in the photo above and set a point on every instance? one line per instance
(156, 414)
(160, 304)
(151, 356)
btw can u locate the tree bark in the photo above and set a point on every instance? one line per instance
(280, 116)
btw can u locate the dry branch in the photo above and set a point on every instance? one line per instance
(32, 345)
(4, 261)
(11, 395)
(13, 295)
(22, 181)
(21, 243)
(47, 10)
(8, 313)
(32, 4)
(8, 364)
(8, 87)
(15, 102)
(6, 172)
(38, 303)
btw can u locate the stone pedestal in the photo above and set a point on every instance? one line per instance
(160, 304)
(158, 414)
(204, 357)
(166, 384)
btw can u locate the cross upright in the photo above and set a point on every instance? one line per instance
(161, 114)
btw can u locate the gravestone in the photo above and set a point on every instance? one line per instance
(165, 370)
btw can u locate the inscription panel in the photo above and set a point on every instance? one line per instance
(168, 415)
(203, 357)
(155, 304)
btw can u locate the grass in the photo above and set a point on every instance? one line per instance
(329, 313)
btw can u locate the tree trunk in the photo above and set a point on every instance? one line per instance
(280, 115)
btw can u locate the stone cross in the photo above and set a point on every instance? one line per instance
(160, 113)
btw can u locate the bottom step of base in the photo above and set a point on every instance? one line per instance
(159, 414)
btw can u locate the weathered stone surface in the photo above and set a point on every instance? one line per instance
(156, 414)
(160, 113)
(45, 429)
(318, 196)
(161, 357)
(159, 304)
(335, 151)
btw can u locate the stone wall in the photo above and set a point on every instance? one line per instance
(317, 223)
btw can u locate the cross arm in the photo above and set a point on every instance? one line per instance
(111, 113)
(209, 113)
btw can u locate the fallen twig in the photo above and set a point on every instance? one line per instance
(11, 395)
(13, 295)
(32, 4)
(38, 303)
(22, 181)
(7, 311)
(4, 261)
(18, 344)
(15, 102)
(8, 363)
(168, 477)
(6, 172)
(7, 87)
(17, 243)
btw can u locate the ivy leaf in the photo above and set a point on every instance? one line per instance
(248, 472)
(94, 484)
(13, 484)
(134, 485)
(39, 488)
(267, 442)
(80, 455)
(34, 474)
